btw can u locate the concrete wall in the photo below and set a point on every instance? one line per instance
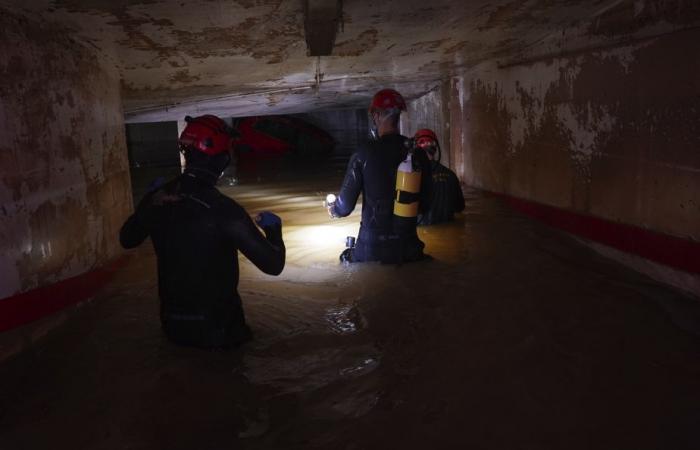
(431, 111)
(614, 134)
(64, 180)
(611, 132)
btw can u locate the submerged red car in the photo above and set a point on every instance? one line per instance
(263, 137)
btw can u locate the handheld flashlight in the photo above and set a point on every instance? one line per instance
(329, 203)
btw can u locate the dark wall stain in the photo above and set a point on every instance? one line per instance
(489, 131)
(502, 14)
(365, 42)
(184, 77)
(249, 37)
(630, 17)
(164, 94)
(425, 47)
(461, 46)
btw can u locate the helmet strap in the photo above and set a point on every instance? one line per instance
(386, 120)
(205, 167)
(373, 132)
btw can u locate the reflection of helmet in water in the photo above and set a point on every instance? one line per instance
(427, 140)
(207, 134)
(387, 99)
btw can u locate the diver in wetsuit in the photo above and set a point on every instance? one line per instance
(384, 236)
(447, 198)
(196, 232)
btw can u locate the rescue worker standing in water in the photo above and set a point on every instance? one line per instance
(447, 198)
(384, 235)
(196, 232)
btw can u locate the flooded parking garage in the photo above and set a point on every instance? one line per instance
(514, 336)
(560, 309)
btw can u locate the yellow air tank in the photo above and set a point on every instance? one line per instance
(407, 189)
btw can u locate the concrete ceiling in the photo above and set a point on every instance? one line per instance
(246, 57)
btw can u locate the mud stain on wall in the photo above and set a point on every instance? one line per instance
(631, 17)
(184, 77)
(607, 133)
(425, 47)
(365, 42)
(67, 150)
(610, 131)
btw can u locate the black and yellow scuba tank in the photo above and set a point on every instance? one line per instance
(408, 181)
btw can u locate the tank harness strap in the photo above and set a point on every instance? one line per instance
(185, 317)
(407, 197)
(377, 207)
(196, 200)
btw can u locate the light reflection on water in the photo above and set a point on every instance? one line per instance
(364, 366)
(309, 327)
(345, 319)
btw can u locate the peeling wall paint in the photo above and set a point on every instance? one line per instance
(610, 133)
(607, 130)
(64, 182)
(223, 57)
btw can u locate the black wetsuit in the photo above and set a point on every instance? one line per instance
(196, 232)
(447, 198)
(372, 171)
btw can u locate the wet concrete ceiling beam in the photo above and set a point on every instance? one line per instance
(321, 21)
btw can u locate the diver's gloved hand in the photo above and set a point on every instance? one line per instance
(155, 184)
(266, 219)
(329, 203)
(271, 225)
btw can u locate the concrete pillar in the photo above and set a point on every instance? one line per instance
(230, 175)
(181, 124)
(321, 23)
(64, 173)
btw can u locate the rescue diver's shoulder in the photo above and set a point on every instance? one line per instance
(157, 191)
(363, 150)
(227, 206)
(359, 157)
(444, 169)
(369, 149)
(389, 142)
(440, 168)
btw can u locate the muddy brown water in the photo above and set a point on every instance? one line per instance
(514, 336)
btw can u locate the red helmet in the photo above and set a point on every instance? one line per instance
(387, 99)
(208, 134)
(425, 138)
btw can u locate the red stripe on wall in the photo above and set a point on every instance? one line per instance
(29, 306)
(682, 254)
